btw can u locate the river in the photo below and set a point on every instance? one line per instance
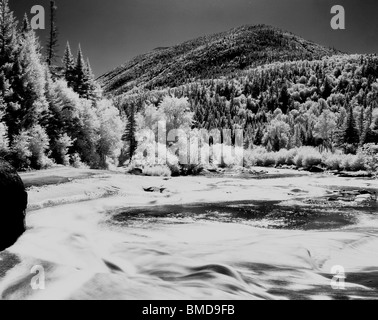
(231, 250)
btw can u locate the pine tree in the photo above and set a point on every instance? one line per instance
(81, 76)
(351, 132)
(284, 100)
(54, 121)
(93, 88)
(25, 25)
(361, 127)
(52, 44)
(129, 136)
(348, 137)
(327, 90)
(69, 66)
(83, 84)
(259, 135)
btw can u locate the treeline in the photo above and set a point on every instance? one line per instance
(330, 103)
(51, 113)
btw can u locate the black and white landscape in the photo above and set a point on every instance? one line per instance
(237, 165)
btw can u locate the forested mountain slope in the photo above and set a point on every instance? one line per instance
(330, 102)
(211, 57)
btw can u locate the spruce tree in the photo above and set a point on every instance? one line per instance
(81, 76)
(54, 121)
(350, 131)
(327, 90)
(69, 66)
(83, 84)
(25, 25)
(93, 88)
(129, 136)
(361, 121)
(30, 80)
(22, 73)
(348, 136)
(284, 99)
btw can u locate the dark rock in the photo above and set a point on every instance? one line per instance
(136, 171)
(365, 192)
(316, 169)
(299, 191)
(154, 189)
(360, 174)
(13, 203)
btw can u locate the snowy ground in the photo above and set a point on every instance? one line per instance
(100, 235)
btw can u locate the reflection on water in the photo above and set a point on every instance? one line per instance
(267, 214)
(253, 250)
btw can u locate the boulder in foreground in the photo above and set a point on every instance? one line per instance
(13, 203)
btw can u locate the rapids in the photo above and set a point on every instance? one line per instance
(179, 253)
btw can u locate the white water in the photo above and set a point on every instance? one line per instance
(85, 257)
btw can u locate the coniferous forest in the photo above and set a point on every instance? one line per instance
(51, 112)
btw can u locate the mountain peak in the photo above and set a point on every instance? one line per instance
(211, 56)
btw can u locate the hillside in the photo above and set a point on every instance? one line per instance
(211, 57)
(331, 102)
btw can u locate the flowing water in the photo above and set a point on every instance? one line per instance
(244, 250)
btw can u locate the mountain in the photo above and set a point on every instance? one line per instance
(209, 57)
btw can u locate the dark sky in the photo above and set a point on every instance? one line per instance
(114, 31)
